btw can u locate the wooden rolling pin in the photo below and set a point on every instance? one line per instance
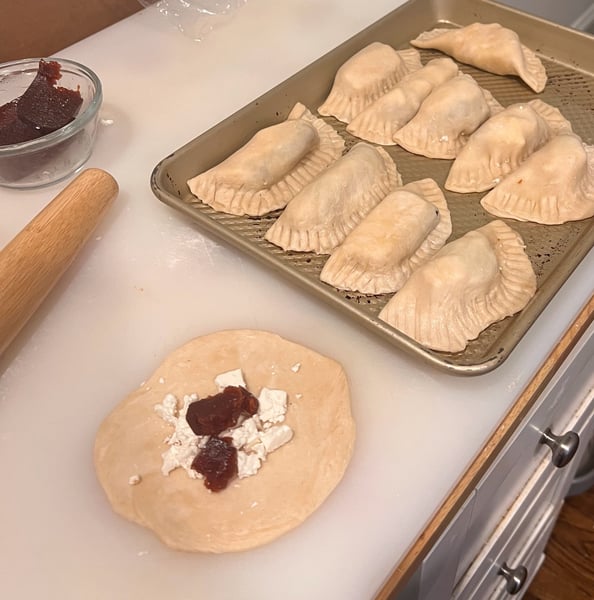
(32, 263)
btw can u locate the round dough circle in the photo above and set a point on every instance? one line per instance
(293, 481)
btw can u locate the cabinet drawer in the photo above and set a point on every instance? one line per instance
(531, 557)
(584, 427)
(547, 486)
(513, 531)
(523, 549)
(508, 474)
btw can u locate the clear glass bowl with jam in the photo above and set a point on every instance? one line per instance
(49, 110)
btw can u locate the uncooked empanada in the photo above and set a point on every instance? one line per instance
(502, 143)
(490, 47)
(275, 164)
(383, 118)
(325, 211)
(402, 232)
(554, 185)
(446, 118)
(472, 282)
(365, 76)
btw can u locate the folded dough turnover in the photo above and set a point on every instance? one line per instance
(383, 118)
(502, 143)
(324, 212)
(402, 232)
(365, 76)
(446, 118)
(275, 164)
(472, 282)
(554, 185)
(490, 47)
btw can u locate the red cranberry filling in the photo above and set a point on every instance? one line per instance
(216, 413)
(217, 461)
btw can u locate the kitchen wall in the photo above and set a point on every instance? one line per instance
(572, 13)
(31, 28)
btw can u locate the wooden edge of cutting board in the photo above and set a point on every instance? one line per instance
(412, 560)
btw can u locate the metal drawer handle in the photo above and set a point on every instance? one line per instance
(515, 578)
(563, 446)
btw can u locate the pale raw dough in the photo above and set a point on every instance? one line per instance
(330, 207)
(452, 112)
(401, 233)
(365, 76)
(275, 164)
(472, 282)
(490, 47)
(380, 121)
(554, 185)
(503, 143)
(292, 483)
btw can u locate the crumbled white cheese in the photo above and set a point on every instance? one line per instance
(296, 367)
(181, 456)
(234, 377)
(161, 380)
(275, 437)
(273, 405)
(245, 434)
(134, 480)
(167, 410)
(183, 432)
(254, 437)
(247, 464)
(184, 444)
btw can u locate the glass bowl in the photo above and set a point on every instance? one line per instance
(56, 155)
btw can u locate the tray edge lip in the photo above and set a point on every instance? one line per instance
(491, 360)
(387, 333)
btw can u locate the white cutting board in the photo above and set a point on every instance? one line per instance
(148, 281)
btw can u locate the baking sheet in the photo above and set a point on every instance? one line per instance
(554, 251)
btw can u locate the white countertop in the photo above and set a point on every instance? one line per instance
(148, 281)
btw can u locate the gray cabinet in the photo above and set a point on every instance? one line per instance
(495, 544)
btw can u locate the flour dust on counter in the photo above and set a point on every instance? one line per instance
(197, 458)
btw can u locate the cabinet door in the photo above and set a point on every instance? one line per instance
(584, 427)
(524, 451)
(513, 532)
(437, 574)
(546, 488)
(438, 571)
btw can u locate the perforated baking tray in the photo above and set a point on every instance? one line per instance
(555, 251)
